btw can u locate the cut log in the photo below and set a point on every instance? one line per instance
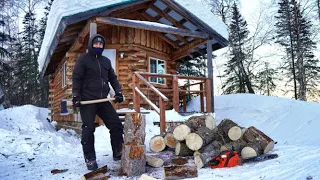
(231, 129)
(154, 161)
(157, 143)
(181, 132)
(213, 148)
(96, 174)
(253, 135)
(133, 156)
(173, 171)
(146, 177)
(195, 122)
(199, 138)
(251, 150)
(169, 140)
(134, 129)
(235, 146)
(201, 159)
(182, 149)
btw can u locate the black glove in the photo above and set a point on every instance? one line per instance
(76, 101)
(118, 97)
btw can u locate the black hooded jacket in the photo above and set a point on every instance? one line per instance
(91, 75)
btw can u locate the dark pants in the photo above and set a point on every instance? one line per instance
(110, 118)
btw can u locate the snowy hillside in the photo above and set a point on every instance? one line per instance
(30, 147)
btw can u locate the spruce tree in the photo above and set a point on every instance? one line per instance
(266, 79)
(237, 72)
(293, 33)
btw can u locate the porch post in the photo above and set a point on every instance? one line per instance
(93, 29)
(210, 71)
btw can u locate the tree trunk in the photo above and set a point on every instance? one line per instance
(96, 174)
(173, 171)
(133, 156)
(181, 132)
(195, 122)
(213, 148)
(154, 161)
(230, 129)
(251, 150)
(157, 143)
(199, 138)
(253, 135)
(183, 150)
(134, 129)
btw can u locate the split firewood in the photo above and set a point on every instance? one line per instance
(201, 159)
(182, 149)
(133, 161)
(154, 161)
(146, 177)
(253, 135)
(236, 146)
(231, 129)
(195, 122)
(157, 143)
(173, 171)
(251, 150)
(56, 171)
(199, 138)
(96, 174)
(181, 132)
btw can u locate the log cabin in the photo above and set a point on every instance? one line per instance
(146, 40)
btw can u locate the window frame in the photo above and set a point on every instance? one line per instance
(165, 70)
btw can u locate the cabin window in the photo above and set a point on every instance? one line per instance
(64, 75)
(157, 66)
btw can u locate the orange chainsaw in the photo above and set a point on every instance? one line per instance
(232, 158)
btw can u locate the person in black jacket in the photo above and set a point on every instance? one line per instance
(90, 81)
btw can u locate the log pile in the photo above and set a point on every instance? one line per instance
(201, 138)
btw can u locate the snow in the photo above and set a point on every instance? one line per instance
(63, 8)
(31, 148)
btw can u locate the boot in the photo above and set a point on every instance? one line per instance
(117, 155)
(91, 164)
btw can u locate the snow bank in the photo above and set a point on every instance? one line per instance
(287, 121)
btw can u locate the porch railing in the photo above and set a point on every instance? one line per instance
(204, 90)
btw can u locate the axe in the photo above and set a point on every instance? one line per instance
(65, 103)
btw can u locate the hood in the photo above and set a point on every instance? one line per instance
(90, 42)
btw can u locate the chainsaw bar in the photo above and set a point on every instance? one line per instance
(260, 158)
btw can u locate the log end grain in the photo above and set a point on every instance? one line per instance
(235, 133)
(269, 147)
(181, 132)
(170, 141)
(157, 144)
(194, 141)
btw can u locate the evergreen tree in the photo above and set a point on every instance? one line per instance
(237, 72)
(293, 33)
(266, 78)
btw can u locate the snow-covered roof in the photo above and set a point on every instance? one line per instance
(61, 9)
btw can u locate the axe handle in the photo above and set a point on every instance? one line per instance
(69, 103)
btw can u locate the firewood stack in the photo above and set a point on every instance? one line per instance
(200, 137)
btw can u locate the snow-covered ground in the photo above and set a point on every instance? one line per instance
(30, 147)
